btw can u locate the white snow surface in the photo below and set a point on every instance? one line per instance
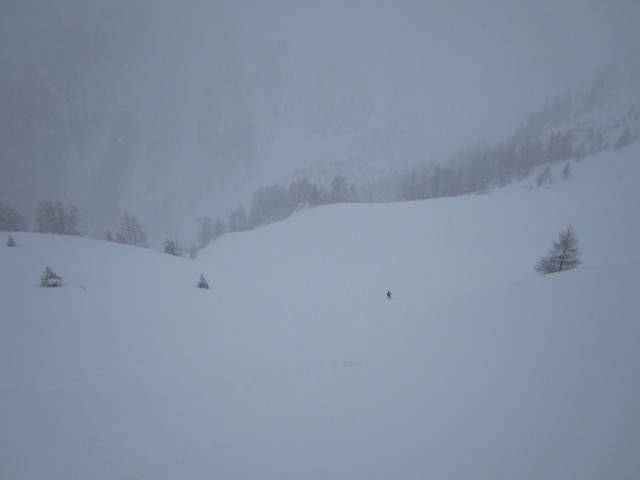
(295, 365)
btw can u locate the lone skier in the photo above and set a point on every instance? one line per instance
(389, 294)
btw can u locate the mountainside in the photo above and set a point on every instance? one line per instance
(296, 365)
(170, 112)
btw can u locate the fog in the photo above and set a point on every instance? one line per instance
(170, 110)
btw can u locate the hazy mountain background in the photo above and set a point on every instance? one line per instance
(172, 110)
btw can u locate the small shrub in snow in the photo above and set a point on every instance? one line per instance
(202, 283)
(50, 278)
(11, 242)
(563, 255)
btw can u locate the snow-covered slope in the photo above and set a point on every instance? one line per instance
(295, 364)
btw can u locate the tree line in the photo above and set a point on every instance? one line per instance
(483, 167)
(269, 204)
(55, 217)
(51, 217)
(273, 203)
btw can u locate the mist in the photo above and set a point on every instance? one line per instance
(171, 110)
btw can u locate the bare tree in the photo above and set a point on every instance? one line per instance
(10, 219)
(54, 217)
(131, 232)
(563, 255)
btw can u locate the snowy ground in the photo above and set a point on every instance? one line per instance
(296, 366)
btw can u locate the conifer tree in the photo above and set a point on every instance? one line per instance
(171, 247)
(202, 283)
(11, 242)
(50, 278)
(563, 255)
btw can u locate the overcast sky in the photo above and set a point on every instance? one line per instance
(403, 50)
(462, 57)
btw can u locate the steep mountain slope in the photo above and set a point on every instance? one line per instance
(295, 364)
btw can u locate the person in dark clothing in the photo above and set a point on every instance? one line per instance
(389, 294)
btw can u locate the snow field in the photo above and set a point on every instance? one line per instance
(295, 364)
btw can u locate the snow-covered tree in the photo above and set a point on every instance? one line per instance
(172, 247)
(131, 232)
(11, 242)
(566, 171)
(202, 283)
(563, 255)
(50, 278)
